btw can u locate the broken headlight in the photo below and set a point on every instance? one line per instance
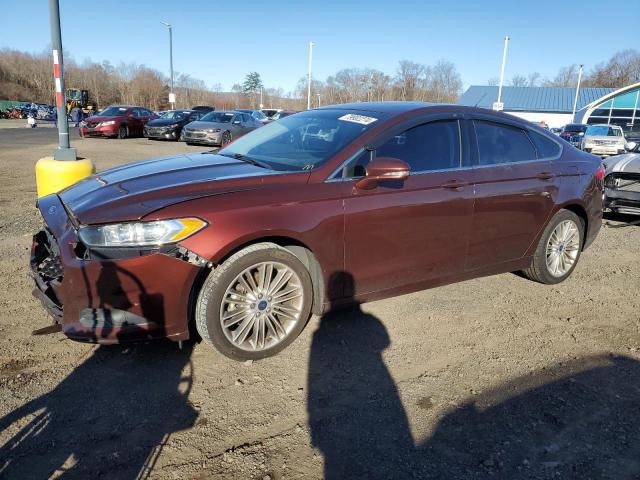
(140, 234)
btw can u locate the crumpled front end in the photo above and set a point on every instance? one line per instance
(120, 297)
(622, 192)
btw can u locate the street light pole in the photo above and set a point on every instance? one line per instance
(311, 44)
(504, 62)
(64, 150)
(172, 97)
(575, 100)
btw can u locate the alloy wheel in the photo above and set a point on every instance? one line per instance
(261, 306)
(562, 248)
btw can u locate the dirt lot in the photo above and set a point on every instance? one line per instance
(491, 378)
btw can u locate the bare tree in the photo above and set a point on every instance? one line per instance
(519, 81)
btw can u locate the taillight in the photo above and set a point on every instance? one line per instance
(600, 173)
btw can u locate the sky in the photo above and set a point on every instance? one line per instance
(220, 42)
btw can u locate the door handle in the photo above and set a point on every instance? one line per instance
(545, 175)
(454, 185)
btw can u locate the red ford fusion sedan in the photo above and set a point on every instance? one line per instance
(323, 208)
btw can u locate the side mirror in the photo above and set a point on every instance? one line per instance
(236, 122)
(630, 146)
(383, 169)
(581, 134)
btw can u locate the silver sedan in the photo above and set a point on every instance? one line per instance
(218, 128)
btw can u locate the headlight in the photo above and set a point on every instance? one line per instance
(138, 234)
(107, 123)
(213, 130)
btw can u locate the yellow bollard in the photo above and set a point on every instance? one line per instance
(53, 176)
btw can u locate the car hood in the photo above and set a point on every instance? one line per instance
(132, 191)
(163, 122)
(198, 125)
(629, 163)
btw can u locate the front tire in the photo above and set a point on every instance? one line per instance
(123, 132)
(558, 250)
(256, 303)
(226, 139)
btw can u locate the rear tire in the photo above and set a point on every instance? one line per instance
(558, 250)
(226, 139)
(263, 293)
(123, 132)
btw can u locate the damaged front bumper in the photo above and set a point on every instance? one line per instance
(131, 295)
(622, 192)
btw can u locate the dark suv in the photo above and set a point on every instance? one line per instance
(324, 208)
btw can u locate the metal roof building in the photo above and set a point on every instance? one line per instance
(554, 105)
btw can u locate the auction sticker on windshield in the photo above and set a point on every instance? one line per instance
(361, 119)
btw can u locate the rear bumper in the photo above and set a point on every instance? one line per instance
(108, 300)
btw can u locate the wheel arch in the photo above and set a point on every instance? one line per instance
(581, 212)
(296, 247)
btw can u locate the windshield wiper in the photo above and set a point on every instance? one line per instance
(244, 158)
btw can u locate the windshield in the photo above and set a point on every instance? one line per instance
(603, 131)
(176, 115)
(218, 117)
(279, 115)
(111, 111)
(304, 141)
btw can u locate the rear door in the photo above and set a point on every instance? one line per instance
(515, 188)
(402, 234)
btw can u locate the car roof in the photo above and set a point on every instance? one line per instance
(394, 107)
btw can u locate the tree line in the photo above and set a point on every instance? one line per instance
(27, 76)
(622, 69)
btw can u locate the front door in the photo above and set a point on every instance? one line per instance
(515, 188)
(401, 234)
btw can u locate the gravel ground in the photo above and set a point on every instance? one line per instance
(491, 378)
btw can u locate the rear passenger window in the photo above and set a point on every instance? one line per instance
(499, 143)
(545, 147)
(432, 146)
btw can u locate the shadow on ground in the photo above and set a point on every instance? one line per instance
(577, 420)
(110, 417)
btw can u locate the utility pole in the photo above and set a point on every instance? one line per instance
(64, 150)
(172, 96)
(575, 100)
(499, 105)
(311, 44)
(53, 175)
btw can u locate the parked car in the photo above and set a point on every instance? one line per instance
(270, 112)
(118, 121)
(603, 140)
(572, 133)
(282, 114)
(255, 114)
(622, 181)
(170, 125)
(322, 209)
(218, 128)
(556, 130)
